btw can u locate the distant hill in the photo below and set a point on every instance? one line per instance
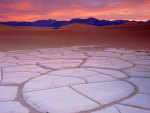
(55, 23)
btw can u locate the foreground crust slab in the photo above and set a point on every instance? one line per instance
(80, 79)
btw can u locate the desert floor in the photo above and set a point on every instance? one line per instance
(129, 36)
(79, 79)
(75, 69)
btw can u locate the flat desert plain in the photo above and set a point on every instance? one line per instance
(130, 35)
(77, 68)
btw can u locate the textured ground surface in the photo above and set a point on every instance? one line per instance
(83, 79)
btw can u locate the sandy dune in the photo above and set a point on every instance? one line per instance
(130, 35)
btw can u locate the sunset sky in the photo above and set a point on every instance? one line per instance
(30, 10)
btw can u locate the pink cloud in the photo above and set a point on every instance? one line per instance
(66, 9)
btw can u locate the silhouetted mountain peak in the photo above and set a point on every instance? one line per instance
(93, 19)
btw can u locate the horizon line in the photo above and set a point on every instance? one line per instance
(74, 18)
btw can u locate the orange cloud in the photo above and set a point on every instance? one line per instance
(21, 6)
(28, 17)
(29, 10)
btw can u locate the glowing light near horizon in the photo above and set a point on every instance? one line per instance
(30, 10)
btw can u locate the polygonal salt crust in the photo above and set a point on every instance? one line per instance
(127, 109)
(7, 64)
(49, 81)
(64, 55)
(8, 93)
(75, 55)
(88, 47)
(76, 89)
(12, 107)
(139, 100)
(141, 71)
(17, 77)
(141, 62)
(109, 72)
(147, 57)
(59, 65)
(105, 92)
(99, 78)
(51, 55)
(23, 62)
(49, 84)
(23, 53)
(49, 50)
(0, 75)
(122, 50)
(74, 72)
(111, 109)
(25, 68)
(142, 83)
(3, 57)
(59, 100)
(131, 57)
(102, 54)
(106, 62)
(35, 53)
(69, 77)
(139, 53)
(23, 56)
(60, 60)
(29, 58)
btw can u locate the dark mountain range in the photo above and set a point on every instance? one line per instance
(55, 23)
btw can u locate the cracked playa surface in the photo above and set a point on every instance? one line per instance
(81, 79)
